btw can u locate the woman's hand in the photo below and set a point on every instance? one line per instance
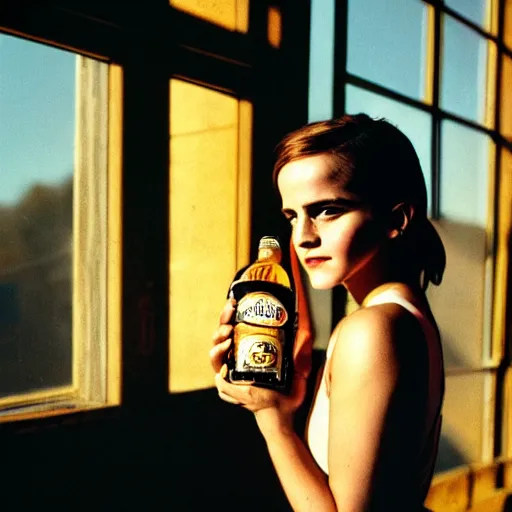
(222, 337)
(255, 398)
(278, 406)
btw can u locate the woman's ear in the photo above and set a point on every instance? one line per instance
(401, 216)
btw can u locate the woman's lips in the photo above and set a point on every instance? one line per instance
(315, 262)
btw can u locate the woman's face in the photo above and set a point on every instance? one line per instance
(335, 236)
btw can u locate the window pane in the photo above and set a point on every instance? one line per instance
(474, 10)
(320, 103)
(53, 225)
(387, 43)
(230, 14)
(209, 220)
(464, 67)
(463, 427)
(321, 60)
(464, 184)
(417, 125)
(37, 129)
(458, 304)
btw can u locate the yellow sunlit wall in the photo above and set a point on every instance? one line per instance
(274, 28)
(506, 99)
(209, 220)
(459, 313)
(230, 14)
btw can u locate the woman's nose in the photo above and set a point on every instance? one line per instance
(305, 234)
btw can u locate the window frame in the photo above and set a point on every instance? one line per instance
(246, 66)
(83, 391)
(494, 357)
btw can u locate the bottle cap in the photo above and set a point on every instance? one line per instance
(269, 242)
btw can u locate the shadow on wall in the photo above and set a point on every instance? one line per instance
(458, 306)
(458, 303)
(507, 506)
(449, 456)
(193, 453)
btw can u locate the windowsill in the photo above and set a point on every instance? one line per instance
(51, 409)
(470, 485)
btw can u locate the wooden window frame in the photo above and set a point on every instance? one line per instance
(95, 343)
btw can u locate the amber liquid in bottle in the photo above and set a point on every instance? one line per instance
(264, 322)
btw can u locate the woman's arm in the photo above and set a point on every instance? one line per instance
(363, 378)
(303, 481)
(305, 484)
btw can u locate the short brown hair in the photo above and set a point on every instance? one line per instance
(375, 160)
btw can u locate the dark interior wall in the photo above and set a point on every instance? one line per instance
(191, 453)
(159, 451)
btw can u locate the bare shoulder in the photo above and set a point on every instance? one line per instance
(368, 339)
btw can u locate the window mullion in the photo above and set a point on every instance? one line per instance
(436, 115)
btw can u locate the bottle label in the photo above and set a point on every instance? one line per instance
(259, 353)
(260, 308)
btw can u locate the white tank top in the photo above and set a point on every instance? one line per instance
(317, 429)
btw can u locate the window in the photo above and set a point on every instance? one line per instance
(387, 43)
(464, 84)
(124, 164)
(321, 61)
(415, 123)
(476, 11)
(320, 106)
(37, 101)
(54, 124)
(464, 185)
(430, 68)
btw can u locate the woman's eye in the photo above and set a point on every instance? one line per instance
(330, 211)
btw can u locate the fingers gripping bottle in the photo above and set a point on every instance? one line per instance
(264, 322)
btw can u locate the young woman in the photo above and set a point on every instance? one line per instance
(354, 194)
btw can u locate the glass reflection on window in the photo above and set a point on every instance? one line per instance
(417, 125)
(321, 60)
(464, 68)
(474, 10)
(387, 43)
(464, 185)
(37, 118)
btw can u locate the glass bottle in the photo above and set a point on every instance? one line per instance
(264, 321)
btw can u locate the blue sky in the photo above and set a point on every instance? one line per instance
(37, 116)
